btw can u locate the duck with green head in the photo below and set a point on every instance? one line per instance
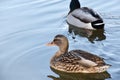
(84, 17)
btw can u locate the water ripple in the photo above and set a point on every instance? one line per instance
(27, 25)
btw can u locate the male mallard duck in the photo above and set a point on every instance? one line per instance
(84, 17)
(75, 61)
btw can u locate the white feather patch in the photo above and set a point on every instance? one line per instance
(87, 62)
(99, 24)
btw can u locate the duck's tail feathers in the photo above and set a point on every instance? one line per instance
(98, 24)
(107, 66)
(103, 68)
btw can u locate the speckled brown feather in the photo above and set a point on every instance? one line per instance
(69, 62)
(75, 61)
(90, 56)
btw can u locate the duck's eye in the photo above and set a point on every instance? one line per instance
(57, 41)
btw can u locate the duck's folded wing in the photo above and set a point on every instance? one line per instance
(75, 58)
(81, 60)
(89, 58)
(86, 15)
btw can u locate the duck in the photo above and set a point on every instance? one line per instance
(75, 61)
(84, 17)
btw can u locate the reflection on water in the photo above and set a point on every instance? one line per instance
(91, 35)
(79, 76)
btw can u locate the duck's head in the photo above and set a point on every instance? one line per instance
(61, 41)
(74, 4)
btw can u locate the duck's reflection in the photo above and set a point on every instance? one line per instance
(80, 76)
(91, 35)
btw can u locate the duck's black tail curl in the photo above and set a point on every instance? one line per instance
(74, 4)
(98, 24)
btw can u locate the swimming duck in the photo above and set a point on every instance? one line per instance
(84, 17)
(75, 61)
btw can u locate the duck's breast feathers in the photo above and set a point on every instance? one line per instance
(86, 15)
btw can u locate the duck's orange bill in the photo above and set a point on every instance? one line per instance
(50, 44)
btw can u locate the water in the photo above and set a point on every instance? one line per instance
(27, 25)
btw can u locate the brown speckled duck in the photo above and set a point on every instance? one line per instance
(75, 61)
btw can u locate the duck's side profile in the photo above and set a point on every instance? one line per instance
(75, 61)
(84, 17)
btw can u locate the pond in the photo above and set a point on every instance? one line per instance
(27, 25)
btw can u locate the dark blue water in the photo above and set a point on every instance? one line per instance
(27, 25)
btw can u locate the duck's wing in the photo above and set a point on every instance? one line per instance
(89, 57)
(78, 57)
(92, 12)
(86, 15)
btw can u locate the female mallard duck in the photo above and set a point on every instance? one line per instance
(75, 61)
(84, 17)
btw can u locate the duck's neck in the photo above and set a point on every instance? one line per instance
(74, 4)
(62, 50)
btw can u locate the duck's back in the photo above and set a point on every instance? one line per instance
(86, 15)
(92, 12)
(77, 61)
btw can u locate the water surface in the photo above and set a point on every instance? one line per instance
(27, 25)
